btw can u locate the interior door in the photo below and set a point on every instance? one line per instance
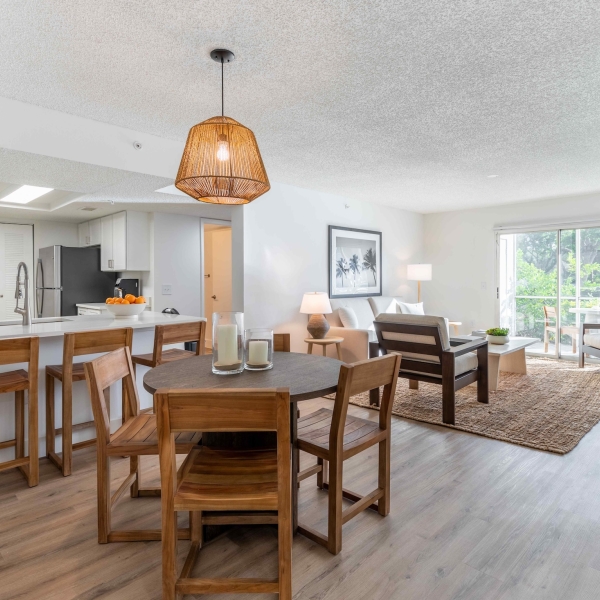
(16, 245)
(221, 269)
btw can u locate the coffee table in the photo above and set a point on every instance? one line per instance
(507, 357)
(504, 357)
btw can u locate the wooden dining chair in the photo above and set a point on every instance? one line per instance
(76, 344)
(551, 327)
(251, 486)
(281, 342)
(333, 437)
(136, 438)
(14, 351)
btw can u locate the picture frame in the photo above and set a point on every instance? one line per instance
(354, 262)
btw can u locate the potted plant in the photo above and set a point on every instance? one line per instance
(497, 335)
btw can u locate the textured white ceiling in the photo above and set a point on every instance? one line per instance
(406, 103)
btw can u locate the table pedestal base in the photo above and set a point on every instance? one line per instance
(514, 362)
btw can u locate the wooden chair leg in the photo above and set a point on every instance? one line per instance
(334, 525)
(546, 341)
(322, 474)
(135, 467)
(448, 399)
(196, 533)
(19, 424)
(50, 418)
(413, 384)
(574, 344)
(67, 427)
(284, 534)
(383, 504)
(169, 551)
(33, 433)
(104, 496)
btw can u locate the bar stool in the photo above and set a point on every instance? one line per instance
(177, 333)
(76, 344)
(13, 351)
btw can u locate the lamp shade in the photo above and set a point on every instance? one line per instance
(418, 272)
(221, 163)
(315, 303)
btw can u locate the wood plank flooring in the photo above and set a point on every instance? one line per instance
(471, 519)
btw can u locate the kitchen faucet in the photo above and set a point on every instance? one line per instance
(26, 311)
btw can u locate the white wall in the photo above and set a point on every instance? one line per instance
(286, 252)
(461, 245)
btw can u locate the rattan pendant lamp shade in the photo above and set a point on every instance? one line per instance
(221, 162)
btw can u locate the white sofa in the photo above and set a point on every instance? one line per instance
(356, 341)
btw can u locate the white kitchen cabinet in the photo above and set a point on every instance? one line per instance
(95, 232)
(83, 230)
(125, 244)
(90, 233)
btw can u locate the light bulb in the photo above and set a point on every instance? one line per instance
(223, 148)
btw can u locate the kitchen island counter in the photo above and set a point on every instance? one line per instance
(51, 332)
(54, 327)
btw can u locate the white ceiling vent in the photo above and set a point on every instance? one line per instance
(89, 208)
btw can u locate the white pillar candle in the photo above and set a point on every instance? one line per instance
(258, 352)
(227, 344)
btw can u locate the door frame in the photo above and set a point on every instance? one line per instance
(203, 222)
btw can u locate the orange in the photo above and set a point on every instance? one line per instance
(130, 298)
(110, 301)
(125, 301)
(118, 300)
(140, 300)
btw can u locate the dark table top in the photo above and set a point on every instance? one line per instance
(306, 375)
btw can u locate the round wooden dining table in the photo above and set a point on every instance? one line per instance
(307, 376)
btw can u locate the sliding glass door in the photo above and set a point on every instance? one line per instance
(546, 281)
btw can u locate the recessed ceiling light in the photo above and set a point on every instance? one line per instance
(491, 176)
(25, 194)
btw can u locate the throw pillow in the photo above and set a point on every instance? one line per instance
(411, 309)
(348, 317)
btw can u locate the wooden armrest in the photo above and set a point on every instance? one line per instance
(465, 348)
(585, 326)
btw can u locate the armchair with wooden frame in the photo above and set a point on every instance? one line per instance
(429, 355)
(590, 345)
(551, 327)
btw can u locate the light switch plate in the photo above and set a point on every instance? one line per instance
(166, 289)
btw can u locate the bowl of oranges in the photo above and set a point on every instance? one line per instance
(129, 306)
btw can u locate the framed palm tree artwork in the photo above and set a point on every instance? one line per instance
(354, 262)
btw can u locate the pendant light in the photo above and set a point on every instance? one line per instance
(221, 162)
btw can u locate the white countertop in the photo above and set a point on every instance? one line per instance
(93, 305)
(54, 328)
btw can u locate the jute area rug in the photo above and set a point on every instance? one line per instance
(551, 408)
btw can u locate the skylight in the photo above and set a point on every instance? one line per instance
(25, 194)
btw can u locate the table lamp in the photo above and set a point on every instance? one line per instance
(316, 304)
(418, 273)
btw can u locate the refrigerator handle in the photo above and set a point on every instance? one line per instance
(39, 276)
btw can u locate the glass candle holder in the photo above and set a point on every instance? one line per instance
(259, 349)
(228, 343)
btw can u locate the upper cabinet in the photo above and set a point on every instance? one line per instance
(124, 240)
(90, 233)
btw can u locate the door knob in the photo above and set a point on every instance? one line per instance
(214, 297)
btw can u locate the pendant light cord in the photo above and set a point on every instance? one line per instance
(222, 92)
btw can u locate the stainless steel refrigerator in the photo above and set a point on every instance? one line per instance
(69, 276)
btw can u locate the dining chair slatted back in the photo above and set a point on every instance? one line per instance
(248, 481)
(15, 351)
(82, 343)
(281, 342)
(551, 327)
(137, 437)
(348, 436)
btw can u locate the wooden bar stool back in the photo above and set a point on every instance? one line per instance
(177, 333)
(137, 437)
(333, 437)
(14, 351)
(224, 486)
(76, 344)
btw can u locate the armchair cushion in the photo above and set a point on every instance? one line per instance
(361, 308)
(348, 317)
(440, 322)
(592, 339)
(383, 304)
